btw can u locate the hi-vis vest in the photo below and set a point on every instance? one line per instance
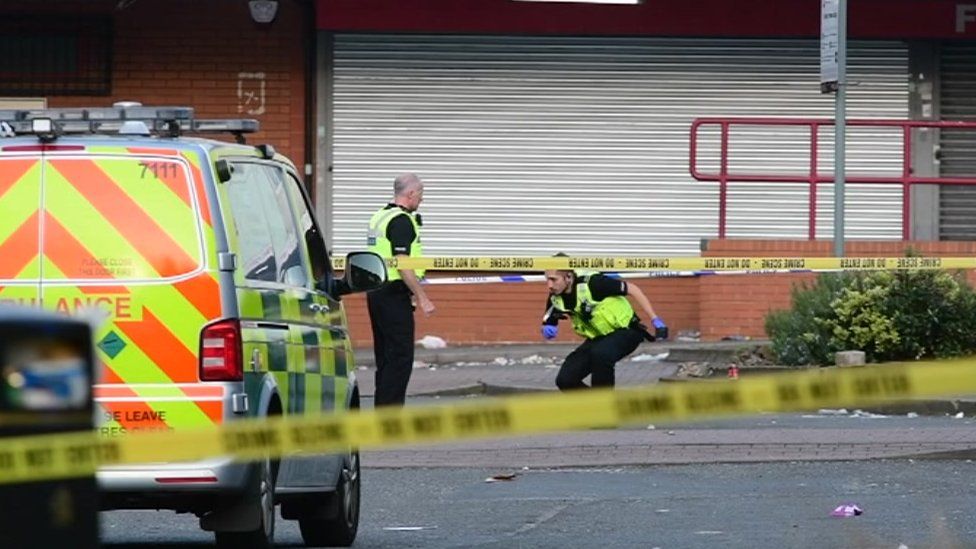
(595, 318)
(378, 242)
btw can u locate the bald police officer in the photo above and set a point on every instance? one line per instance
(395, 231)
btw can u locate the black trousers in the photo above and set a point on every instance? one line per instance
(391, 316)
(596, 358)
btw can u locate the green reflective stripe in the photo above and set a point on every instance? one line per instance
(249, 303)
(328, 359)
(296, 357)
(313, 393)
(291, 305)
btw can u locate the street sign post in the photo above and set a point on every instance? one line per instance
(833, 75)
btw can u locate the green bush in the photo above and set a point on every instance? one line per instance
(901, 315)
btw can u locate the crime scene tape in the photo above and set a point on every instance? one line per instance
(757, 265)
(65, 455)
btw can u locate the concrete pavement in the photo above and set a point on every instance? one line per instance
(666, 446)
(517, 368)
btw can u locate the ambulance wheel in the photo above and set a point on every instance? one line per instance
(339, 531)
(261, 537)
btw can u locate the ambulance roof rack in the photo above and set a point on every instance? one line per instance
(125, 118)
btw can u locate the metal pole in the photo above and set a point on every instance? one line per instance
(840, 129)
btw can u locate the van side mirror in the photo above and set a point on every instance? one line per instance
(364, 271)
(224, 170)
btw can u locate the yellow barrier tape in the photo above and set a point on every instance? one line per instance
(77, 454)
(619, 264)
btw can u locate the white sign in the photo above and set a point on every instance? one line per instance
(250, 92)
(829, 11)
(965, 13)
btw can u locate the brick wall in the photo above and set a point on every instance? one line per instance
(488, 313)
(737, 304)
(718, 306)
(188, 52)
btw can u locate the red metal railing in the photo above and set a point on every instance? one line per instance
(813, 177)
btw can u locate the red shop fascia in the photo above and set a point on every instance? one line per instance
(867, 19)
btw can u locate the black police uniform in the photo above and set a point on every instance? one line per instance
(391, 316)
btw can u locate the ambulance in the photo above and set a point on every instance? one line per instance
(209, 281)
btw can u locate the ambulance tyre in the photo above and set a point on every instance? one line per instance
(339, 531)
(261, 537)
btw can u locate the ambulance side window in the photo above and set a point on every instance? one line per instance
(318, 256)
(257, 255)
(284, 231)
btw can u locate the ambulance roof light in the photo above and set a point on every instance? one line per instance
(126, 118)
(44, 129)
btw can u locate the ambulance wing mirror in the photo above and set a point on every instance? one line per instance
(223, 170)
(364, 271)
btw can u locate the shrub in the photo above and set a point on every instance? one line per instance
(902, 315)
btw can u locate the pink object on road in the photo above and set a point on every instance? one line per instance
(846, 510)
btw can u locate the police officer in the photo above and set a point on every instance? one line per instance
(598, 307)
(395, 231)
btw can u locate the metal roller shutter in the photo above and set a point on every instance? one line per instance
(531, 145)
(957, 204)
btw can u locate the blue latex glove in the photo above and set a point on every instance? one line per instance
(549, 331)
(660, 328)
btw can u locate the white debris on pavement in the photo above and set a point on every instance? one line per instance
(647, 357)
(867, 415)
(828, 412)
(420, 364)
(959, 415)
(502, 361)
(911, 414)
(431, 342)
(408, 528)
(824, 412)
(535, 359)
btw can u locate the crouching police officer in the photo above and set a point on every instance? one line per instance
(598, 307)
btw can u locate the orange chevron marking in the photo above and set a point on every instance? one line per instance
(175, 180)
(19, 249)
(13, 170)
(202, 291)
(70, 255)
(74, 259)
(166, 256)
(102, 290)
(162, 347)
(201, 192)
(213, 408)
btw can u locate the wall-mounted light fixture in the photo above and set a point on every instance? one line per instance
(263, 11)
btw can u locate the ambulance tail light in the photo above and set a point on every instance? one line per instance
(221, 356)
